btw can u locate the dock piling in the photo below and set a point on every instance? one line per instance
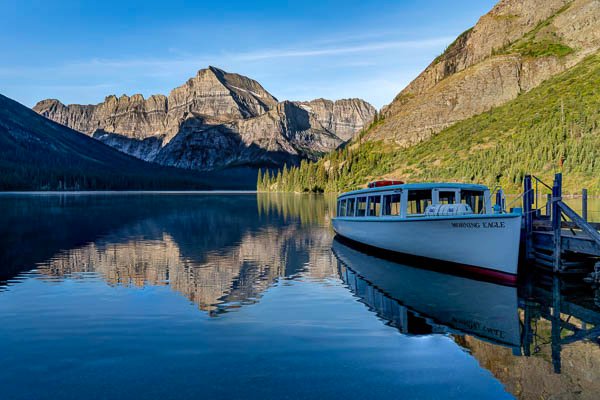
(584, 205)
(528, 216)
(557, 222)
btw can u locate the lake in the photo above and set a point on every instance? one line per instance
(229, 296)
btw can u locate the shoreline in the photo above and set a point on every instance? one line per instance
(117, 192)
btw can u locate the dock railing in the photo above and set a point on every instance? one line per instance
(548, 236)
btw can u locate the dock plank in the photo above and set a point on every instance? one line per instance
(578, 243)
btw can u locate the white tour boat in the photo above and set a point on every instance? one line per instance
(443, 221)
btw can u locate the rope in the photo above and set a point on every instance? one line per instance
(535, 210)
(519, 197)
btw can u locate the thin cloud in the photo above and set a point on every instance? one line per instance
(165, 64)
(330, 51)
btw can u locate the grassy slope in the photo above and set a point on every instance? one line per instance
(38, 154)
(542, 41)
(555, 127)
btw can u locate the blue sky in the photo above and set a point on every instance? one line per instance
(79, 52)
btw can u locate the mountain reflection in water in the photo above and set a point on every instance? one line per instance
(217, 260)
(226, 252)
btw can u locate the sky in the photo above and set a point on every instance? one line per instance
(80, 52)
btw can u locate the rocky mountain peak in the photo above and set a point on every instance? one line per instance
(220, 94)
(48, 106)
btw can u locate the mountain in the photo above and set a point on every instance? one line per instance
(215, 120)
(511, 50)
(39, 154)
(519, 93)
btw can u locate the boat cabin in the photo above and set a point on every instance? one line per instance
(415, 200)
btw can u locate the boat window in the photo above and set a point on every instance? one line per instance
(391, 204)
(447, 197)
(418, 200)
(475, 199)
(361, 206)
(374, 206)
(342, 208)
(350, 207)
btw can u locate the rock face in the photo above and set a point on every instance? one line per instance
(216, 119)
(511, 50)
(344, 117)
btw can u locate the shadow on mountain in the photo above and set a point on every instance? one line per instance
(205, 144)
(200, 146)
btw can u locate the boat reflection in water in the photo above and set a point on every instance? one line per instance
(540, 339)
(421, 301)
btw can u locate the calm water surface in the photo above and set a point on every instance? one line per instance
(175, 296)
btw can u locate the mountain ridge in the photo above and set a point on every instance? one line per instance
(214, 120)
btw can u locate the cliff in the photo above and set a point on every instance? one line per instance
(344, 117)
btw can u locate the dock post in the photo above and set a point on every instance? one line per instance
(549, 204)
(556, 221)
(584, 205)
(528, 316)
(528, 216)
(556, 344)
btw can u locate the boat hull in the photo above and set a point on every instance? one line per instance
(487, 242)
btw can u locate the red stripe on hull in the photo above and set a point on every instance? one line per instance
(496, 276)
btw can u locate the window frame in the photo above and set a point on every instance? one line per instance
(484, 197)
(406, 199)
(353, 200)
(436, 194)
(366, 202)
(369, 197)
(343, 203)
(383, 203)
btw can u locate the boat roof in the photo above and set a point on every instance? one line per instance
(418, 186)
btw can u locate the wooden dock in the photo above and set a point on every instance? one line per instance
(555, 237)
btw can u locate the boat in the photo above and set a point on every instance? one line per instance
(420, 301)
(451, 222)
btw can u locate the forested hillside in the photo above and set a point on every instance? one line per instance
(554, 127)
(38, 154)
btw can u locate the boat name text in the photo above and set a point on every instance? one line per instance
(495, 224)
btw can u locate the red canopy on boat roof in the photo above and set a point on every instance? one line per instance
(387, 182)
